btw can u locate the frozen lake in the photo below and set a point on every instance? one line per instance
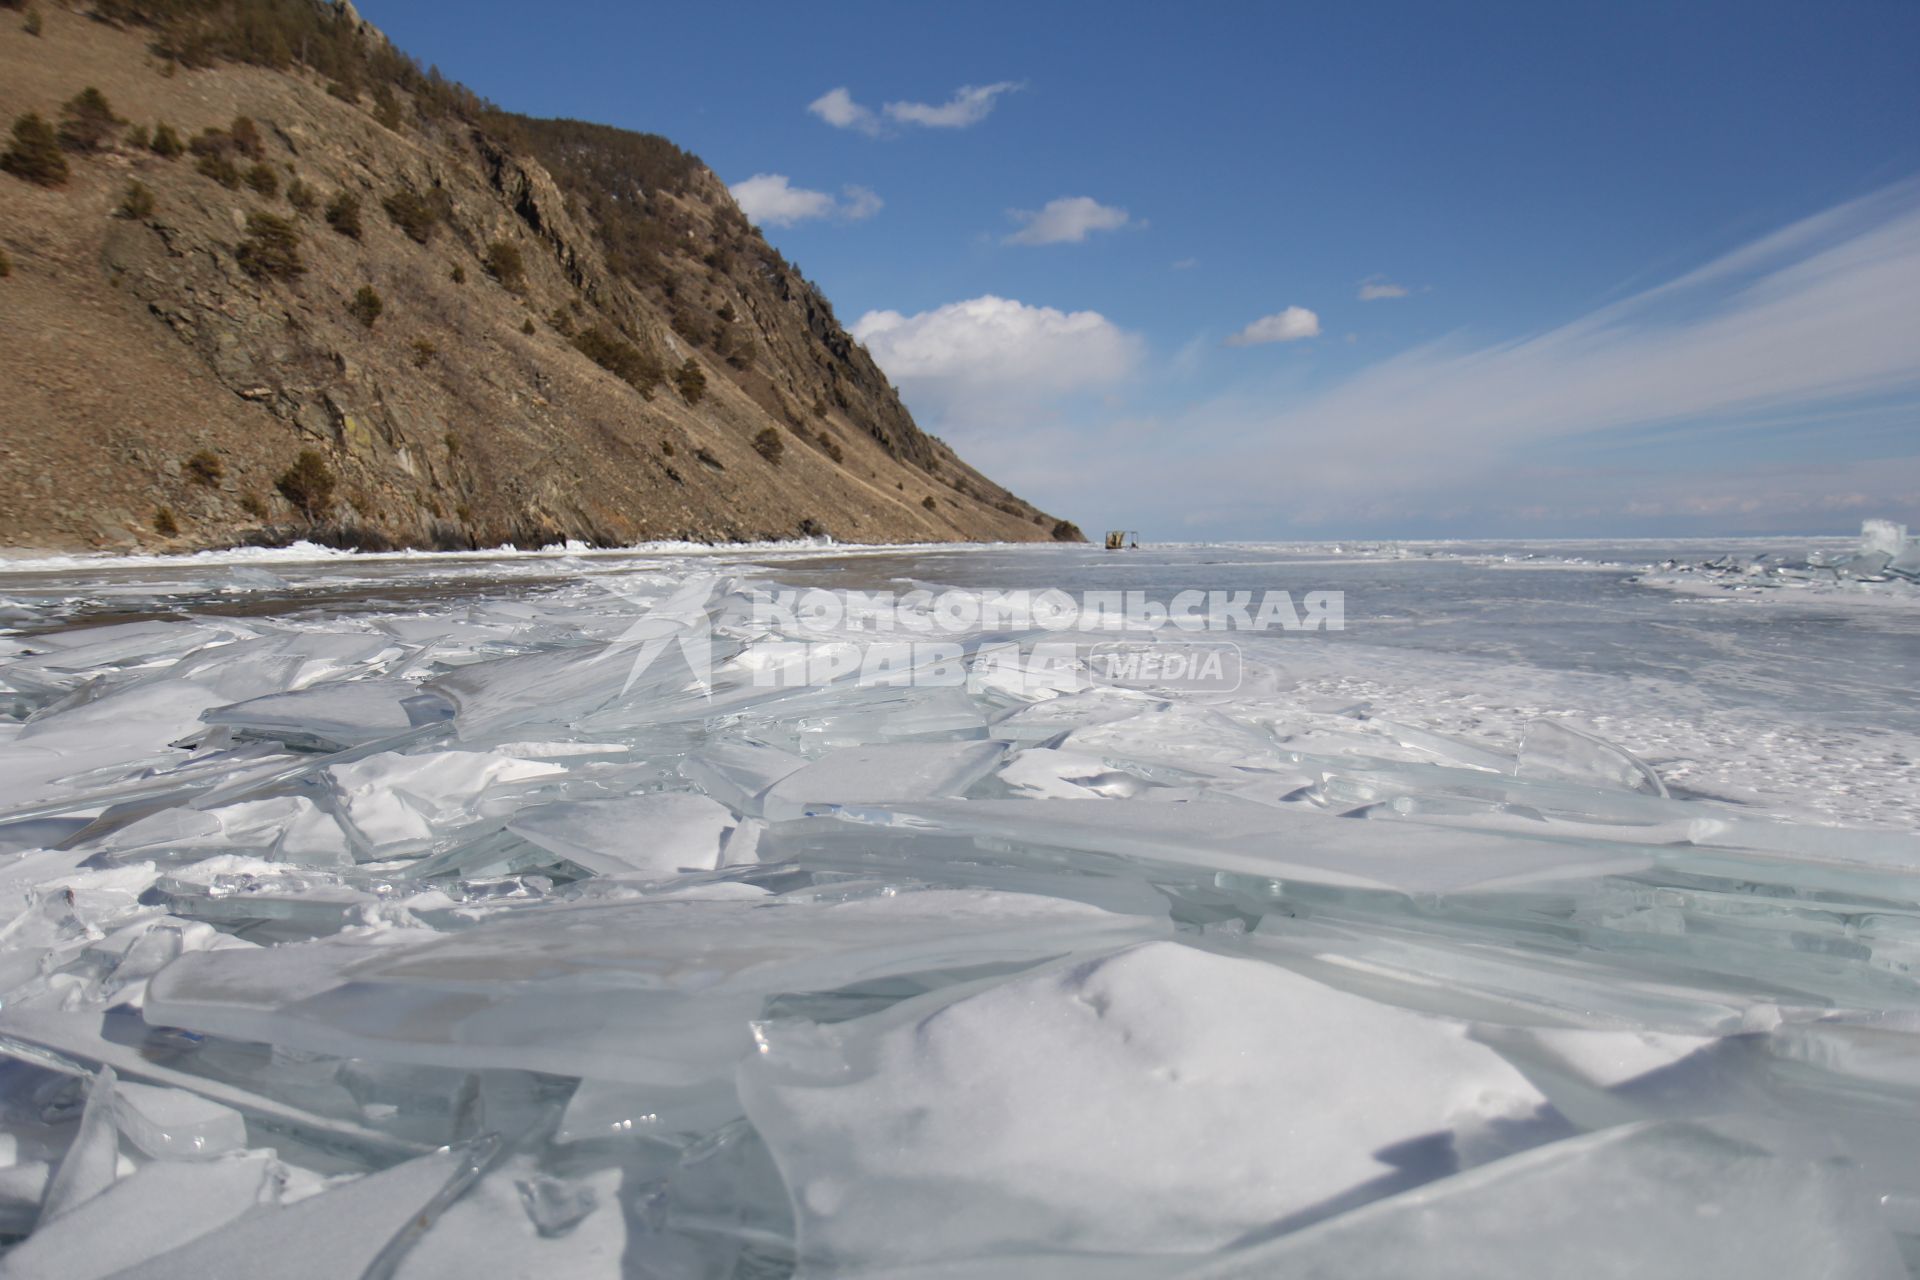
(733, 912)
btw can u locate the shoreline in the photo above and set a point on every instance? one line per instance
(303, 553)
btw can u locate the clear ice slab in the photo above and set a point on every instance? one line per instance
(338, 1234)
(657, 992)
(1554, 749)
(1663, 1201)
(334, 715)
(1236, 837)
(649, 836)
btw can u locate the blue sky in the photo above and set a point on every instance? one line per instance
(1635, 268)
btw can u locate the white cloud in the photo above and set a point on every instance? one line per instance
(1282, 326)
(1374, 288)
(771, 200)
(1773, 387)
(861, 202)
(1186, 264)
(1820, 312)
(837, 108)
(1065, 221)
(969, 105)
(996, 351)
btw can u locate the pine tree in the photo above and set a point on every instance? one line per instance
(35, 153)
(87, 121)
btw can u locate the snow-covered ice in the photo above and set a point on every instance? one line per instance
(565, 913)
(1232, 1095)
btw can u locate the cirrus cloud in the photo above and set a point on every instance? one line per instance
(1375, 288)
(1773, 387)
(771, 200)
(1282, 326)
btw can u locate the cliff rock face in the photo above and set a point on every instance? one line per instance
(483, 328)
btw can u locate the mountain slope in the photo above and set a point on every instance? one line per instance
(578, 335)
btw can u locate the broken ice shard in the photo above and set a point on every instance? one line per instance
(332, 716)
(173, 1124)
(555, 1206)
(653, 836)
(647, 992)
(335, 1235)
(395, 804)
(860, 775)
(1229, 836)
(1659, 1201)
(165, 1205)
(1553, 749)
(92, 1158)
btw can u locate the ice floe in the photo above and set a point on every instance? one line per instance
(547, 914)
(1884, 568)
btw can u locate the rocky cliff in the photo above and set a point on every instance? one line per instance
(273, 281)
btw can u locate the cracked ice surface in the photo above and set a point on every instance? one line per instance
(386, 916)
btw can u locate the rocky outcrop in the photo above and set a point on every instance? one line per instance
(577, 333)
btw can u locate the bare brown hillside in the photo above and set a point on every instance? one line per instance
(537, 330)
